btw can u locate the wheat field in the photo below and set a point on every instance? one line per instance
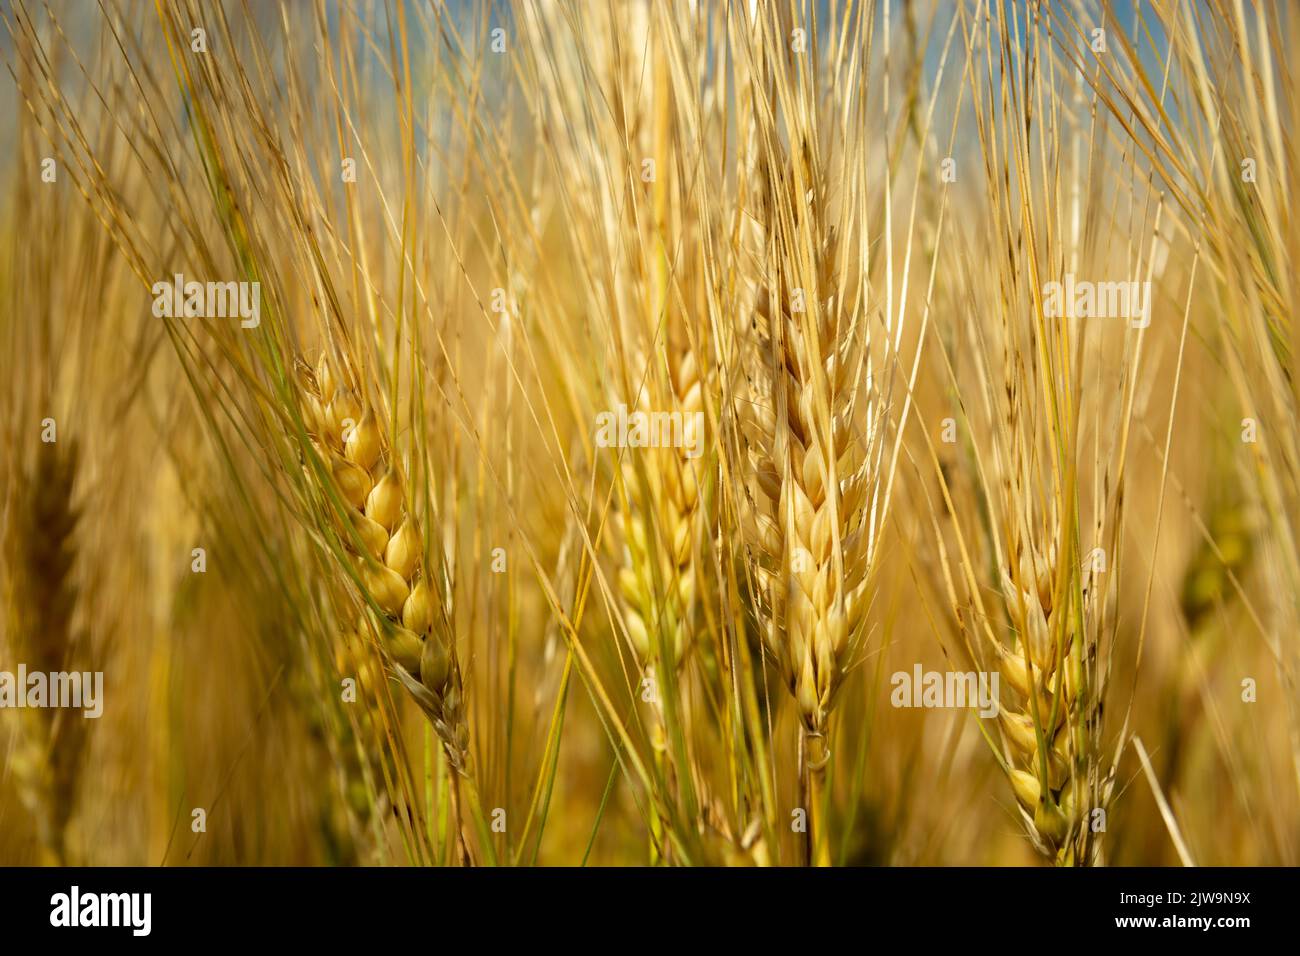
(649, 433)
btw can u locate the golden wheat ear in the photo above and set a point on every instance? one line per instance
(386, 550)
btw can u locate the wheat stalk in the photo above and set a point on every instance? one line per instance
(1045, 671)
(660, 508)
(392, 558)
(659, 526)
(42, 552)
(811, 444)
(806, 497)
